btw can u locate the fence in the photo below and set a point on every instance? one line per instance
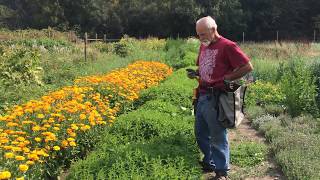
(278, 36)
(86, 40)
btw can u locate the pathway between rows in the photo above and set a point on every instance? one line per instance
(266, 170)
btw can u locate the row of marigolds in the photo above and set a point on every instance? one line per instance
(35, 137)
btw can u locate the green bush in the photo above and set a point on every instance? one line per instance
(264, 70)
(124, 47)
(263, 93)
(261, 120)
(274, 110)
(143, 125)
(181, 53)
(315, 67)
(20, 66)
(161, 158)
(253, 112)
(299, 164)
(178, 94)
(299, 88)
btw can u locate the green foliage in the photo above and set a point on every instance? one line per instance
(256, 123)
(178, 94)
(295, 142)
(263, 93)
(103, 47)
(299, 88)
(264, 70)
(124, 47)
(181, 53)
(154, 142)
(248, 154)
(20, 66)
(315, 68)
(253, 112)
(274, 110)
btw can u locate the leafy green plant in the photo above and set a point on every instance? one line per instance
(248, 154)
(20, 66)
(263, 93)
(274, 110)
(253, 112)
(299, 88)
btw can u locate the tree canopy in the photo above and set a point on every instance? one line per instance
(259, 19)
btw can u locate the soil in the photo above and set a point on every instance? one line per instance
(266, 170)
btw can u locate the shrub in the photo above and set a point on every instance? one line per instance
(299, 88)
(181, 53)
(315, 67)
(253, 112)
(263, 93)
(124, 47)
(274, 110)
(261, 120)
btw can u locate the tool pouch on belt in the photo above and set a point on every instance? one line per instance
(230, 107)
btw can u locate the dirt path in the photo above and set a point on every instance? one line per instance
(266, 170)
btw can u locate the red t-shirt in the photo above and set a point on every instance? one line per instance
(216, 60)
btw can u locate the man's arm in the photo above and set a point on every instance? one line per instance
(239, 72)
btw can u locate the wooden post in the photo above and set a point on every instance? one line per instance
(96, 37)
(242, 37)
(104, 38)
(85, 46)
(314, 35)
(277, 36)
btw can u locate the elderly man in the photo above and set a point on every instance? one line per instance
(220, 61)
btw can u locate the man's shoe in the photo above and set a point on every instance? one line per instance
(206, 168)
(221, 176)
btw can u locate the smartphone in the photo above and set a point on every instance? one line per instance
(190, 70)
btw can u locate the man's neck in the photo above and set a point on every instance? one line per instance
(216, 37)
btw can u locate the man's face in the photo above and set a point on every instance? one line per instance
(205, 35)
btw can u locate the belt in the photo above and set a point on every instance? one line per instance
(211, 90)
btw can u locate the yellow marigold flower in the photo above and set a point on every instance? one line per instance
(84, 128)
(5, 175)
(16, 149)
(56, 128)
(26, 150)
(72, 134)
(30, 162)
(20, 178)
(37, 139)
(7, 147)
(21, 139)
(64, 143)
(36, 128)
(73, 144)
(56, 148)
(23, 167)
(70, 139)
(14, 142)
(33, 157)
(4, 141)
(20, 158)
(40, 116)
(9, 155)
(83, 116)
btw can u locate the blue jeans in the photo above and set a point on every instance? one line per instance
(211, 136)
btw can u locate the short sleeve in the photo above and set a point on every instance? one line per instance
(236, 56)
